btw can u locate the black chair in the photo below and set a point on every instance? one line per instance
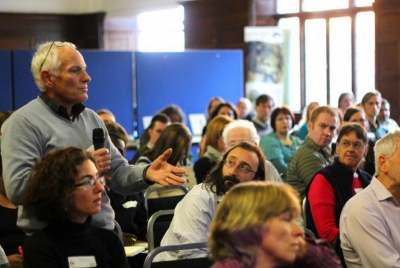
(157, 227)
(308, 233)
(303, 210)
(163, 203)
(192, 263)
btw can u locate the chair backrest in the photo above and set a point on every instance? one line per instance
(308, 233)
(189, 177)
(157, 227)
(119, 230)
(192, 263)
(303, 210)
(163, 203)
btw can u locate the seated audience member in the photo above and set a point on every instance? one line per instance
(215, 147)
(345, 101)
(11, 237)
(224, 109)
(212, 104)
(371, 103)
(157, 125)
(244, 130)
(279, 146)
(384, 117)
(264, 105)
(357, 115)
(193, 215)
(176, 136)
(369, 223)
(244, 109)
(175, 114)
(314, 153)
(130, 211)
(65, 189)
(303, 130)
(106, 115)
(333, 185)
(255, 226)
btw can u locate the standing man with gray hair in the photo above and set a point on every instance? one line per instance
(369, 223)
(57, 119)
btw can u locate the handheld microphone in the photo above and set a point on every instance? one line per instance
(99, 139)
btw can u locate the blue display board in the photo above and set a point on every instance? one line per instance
(112, 84)
(148, 81)
(188, 79)
(110, 87)
(5, 81)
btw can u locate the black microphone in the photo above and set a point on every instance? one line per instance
(99, 139)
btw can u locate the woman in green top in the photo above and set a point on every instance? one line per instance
(279, 146)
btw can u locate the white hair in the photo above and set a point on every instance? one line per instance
(46, 57)
(246, 124)
(386, 146)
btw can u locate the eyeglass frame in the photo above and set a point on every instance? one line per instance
(91, 182)
(356, 145)
(242, 166)
(54, 44)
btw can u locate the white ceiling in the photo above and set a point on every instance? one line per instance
(113, 8)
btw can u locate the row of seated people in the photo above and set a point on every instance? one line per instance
(36, 145)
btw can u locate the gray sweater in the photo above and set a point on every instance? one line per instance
(33, 131)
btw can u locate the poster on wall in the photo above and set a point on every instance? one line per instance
(264, 60)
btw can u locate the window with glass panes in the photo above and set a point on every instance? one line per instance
(331, 49)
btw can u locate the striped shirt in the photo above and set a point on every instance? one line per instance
(306, 161)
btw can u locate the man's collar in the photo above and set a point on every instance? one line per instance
(61, 110)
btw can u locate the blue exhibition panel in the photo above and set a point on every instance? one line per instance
(112, 84)
(188, 79)
(110, 87)
(5, 81)
(25, 88)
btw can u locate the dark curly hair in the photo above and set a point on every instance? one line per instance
(49, 189)
(211, 181)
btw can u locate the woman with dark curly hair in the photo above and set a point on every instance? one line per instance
(65, 189)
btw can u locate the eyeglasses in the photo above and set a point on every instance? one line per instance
(242, 167)
(356, 145)
(57, 44)
(358, 121)
(91, 183)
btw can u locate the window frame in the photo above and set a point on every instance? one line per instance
(351, 12)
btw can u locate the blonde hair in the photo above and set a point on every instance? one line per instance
(247, 208)
(214, 130)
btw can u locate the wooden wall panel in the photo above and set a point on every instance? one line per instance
(25, 31)
(387, 52)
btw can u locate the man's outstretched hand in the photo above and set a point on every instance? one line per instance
(163, 173)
